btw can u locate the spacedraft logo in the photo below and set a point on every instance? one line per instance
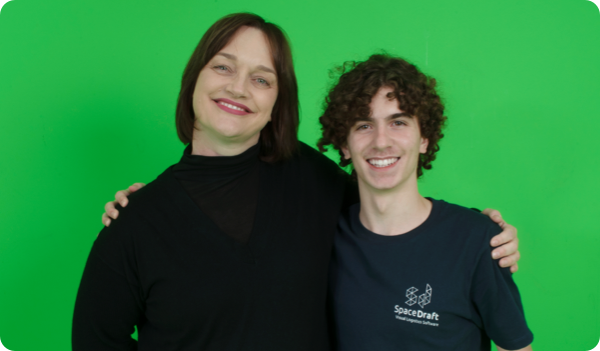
(420, 316)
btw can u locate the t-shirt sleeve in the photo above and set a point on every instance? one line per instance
(497, 300)
(108, 304)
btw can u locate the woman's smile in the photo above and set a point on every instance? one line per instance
(232, 107)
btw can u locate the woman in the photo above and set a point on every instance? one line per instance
(229, 248)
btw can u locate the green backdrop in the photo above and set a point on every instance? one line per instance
(87, 100)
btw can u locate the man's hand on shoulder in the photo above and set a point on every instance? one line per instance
(528, 348)
(506, 243)
(110, 212)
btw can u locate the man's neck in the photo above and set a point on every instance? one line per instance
(394, 211)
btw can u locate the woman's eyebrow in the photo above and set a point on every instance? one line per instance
(229, 56)
(259, 67)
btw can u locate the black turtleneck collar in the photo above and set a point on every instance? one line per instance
(216, 168)
(225, 188)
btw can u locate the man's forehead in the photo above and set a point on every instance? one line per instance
(385, 106)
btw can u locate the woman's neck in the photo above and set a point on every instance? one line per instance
(204, 146)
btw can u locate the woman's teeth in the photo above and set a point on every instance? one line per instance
(383, 163)
(231, 106)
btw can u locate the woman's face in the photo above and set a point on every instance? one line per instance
(234, 95)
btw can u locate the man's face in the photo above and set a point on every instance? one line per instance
(385, 148)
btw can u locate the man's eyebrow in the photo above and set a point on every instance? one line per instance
(259, 67)
(398, 115)
(388, 118)
(364, 119)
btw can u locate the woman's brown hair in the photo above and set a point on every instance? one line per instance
(279, 138)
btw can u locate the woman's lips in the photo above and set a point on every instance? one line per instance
(232, 107)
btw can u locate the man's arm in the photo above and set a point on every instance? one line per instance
(110, 212)
(497, 301)
(528, 348)
(506, 243)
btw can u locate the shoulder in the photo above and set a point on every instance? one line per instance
(150, 198)
(144, 204)
(347, 217)
(314, 161)
(120, 243)
(465, 224)
(465, 217)
(307, 153)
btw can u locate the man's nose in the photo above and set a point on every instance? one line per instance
(382, 138)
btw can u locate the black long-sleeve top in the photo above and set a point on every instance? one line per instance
(225, 188)
(167, 268)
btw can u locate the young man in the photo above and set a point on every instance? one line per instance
(409, 272)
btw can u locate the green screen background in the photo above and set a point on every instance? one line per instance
(87, 100)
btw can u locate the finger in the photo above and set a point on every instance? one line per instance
(494, 215)
(511, 260)
(509, 233)
(121, 197)
(135, 187)
(514, 268)
(110, 210)
(506, 250)
(105, 219)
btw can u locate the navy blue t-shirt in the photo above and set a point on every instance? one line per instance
(433, 288)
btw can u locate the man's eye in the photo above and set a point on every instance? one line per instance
(362, 126)
(399, 123)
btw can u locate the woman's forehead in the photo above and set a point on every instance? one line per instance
(250, 46)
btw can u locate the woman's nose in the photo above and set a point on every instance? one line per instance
(237, 86)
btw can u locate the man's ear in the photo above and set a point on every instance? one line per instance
(346, 152)
(423, 146)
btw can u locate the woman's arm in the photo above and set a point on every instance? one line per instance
(108, 305)
(506, 243)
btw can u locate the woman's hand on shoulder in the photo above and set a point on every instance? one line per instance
(110, 212)
(506, 243)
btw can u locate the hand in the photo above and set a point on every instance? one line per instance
(121, 198)
(506, 243)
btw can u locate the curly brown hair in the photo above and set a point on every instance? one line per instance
(348, 102)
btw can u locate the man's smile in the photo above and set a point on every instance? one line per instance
(383, 162)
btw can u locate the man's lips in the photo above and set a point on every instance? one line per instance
(383, 162)
(232, 107)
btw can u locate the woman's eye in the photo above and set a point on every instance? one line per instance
(262, 82)
(220, 68)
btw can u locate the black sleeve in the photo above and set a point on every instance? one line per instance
(108, 304)
(351, 195)
(350, 185)
(497, 299)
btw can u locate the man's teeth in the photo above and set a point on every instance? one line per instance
(383, 163)
(231, 106)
